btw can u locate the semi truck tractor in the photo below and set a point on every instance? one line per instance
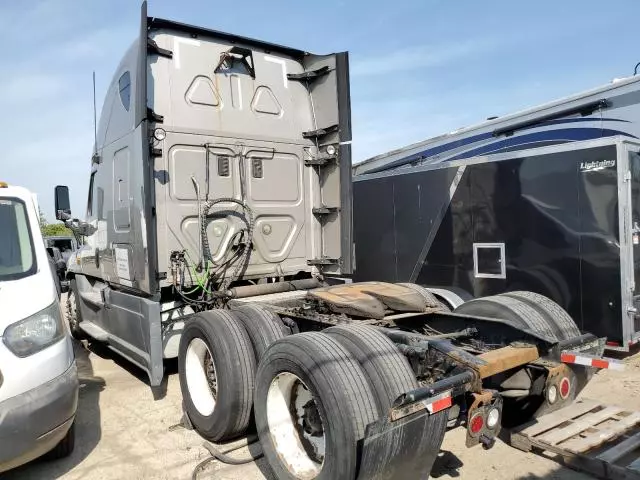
(219, 231)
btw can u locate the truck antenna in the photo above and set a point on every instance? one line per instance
(95, 127)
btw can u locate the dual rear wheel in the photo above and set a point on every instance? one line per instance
(522, 387)
(313, 394)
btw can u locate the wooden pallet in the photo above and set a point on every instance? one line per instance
(602, 440)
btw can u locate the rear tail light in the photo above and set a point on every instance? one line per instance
(493, 417)
(552, 394)
(565, 388)
(476, 424)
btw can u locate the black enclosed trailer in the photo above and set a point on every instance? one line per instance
(562, 221)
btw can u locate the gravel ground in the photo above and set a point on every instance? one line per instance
(123, 433)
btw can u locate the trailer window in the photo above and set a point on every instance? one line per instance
(124, 85)
(489, 261)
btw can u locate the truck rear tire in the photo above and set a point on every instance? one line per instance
(72, 310)
(540, 315)
(560, 321)
(390, 375)
(387, 369)
(263, 326)
(432, 300)
(312, 404)
(216, 367)
(512, 310)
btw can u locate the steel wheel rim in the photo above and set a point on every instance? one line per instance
(293, 426)
(200, 376)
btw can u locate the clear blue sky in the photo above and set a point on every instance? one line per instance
(418, 67)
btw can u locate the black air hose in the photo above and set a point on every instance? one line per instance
(206, 252)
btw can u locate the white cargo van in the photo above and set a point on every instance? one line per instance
(38, 376)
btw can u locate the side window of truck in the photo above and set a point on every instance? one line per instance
(90, 197)
(124, 86)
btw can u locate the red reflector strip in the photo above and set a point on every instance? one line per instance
(438, 403)
(591, 361)
(433, 405)
(599, 363)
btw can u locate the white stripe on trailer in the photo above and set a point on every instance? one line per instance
(591, 361)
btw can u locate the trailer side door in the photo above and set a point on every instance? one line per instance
(632, 180)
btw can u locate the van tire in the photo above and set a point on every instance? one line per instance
(431, 299)
(216, 342)
(317, 365)
(65, 447)
(557, 318)
(387, 369)
(263, 326)
(72, 311)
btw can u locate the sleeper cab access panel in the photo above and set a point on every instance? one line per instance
(258, 123)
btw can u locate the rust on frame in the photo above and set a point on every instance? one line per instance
(503, 359)
(479, 399)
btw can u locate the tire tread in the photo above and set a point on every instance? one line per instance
(556, 316)
(522, 314)
(263, 326)
(346, 393)
(430, 298)
(235, 355)
(386, 368)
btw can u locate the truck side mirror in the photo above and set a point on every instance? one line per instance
(63, 207)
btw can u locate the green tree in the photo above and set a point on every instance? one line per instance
(52, 229)
(42, 219)
(56, 229)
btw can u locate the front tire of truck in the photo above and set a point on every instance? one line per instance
(216, 367)
(72, 309)
(312, 404)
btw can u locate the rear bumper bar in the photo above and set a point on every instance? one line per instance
(439, 396)
(405, 443)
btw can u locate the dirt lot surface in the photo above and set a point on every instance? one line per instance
(122, 433)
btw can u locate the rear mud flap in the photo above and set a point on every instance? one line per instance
(579, 376)
(406, 448)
